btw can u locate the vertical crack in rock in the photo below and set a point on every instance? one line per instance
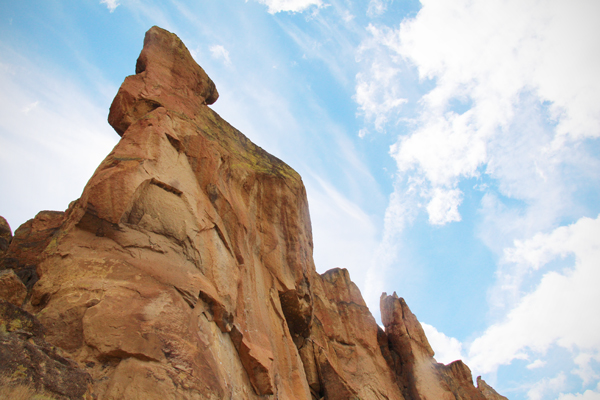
(185, 269)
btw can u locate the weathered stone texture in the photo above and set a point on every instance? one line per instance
(5, 236)
(185, 269)
(11, 288)
(26, 358)
(488, 392)
(26, 249)
(417, 372)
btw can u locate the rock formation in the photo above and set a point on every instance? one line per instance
(488, 391)
(185, 269)
(27, 357)
(5, 236)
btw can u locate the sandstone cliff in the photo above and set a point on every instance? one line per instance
(185, 269)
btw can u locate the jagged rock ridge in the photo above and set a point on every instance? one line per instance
(185, 269)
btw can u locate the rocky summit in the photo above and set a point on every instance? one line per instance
(185, 271)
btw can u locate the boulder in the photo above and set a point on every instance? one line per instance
(12, 289)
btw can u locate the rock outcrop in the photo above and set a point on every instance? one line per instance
(12, 288)
(488, 391)
(27, 359)
(417, 372)
(185, 269)
(5, 236)
(26, 249)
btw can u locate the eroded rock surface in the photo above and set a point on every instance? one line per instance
(26, 249)
(5, 236)
(12, 289)
(488, 391)
(26, 358)
(166, 274)
(185, 269)
(418, 374)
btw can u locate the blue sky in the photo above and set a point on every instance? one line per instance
(450, 149)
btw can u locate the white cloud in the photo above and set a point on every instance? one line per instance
(377, 7)
(111, 4)
(379, 92)
(587, 395)
(444, 149)
(220, 53)
(541, 389)
(511, 100)
(400, 212)
(30, 107)
(502, 63)
(447, 349)
(276, 6)
(584, 368)
(536, 364)
(347, 16)
(443, 206)
(562, 310)
(492, 51)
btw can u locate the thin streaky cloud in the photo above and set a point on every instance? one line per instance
(276, 6)
(220, 53)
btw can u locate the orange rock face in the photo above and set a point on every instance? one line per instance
(488, 391)
(417, 373)
(167, 274)
(185, 269)
(12, 288)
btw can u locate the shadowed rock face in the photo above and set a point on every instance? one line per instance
(26, 248)
(5, 236)
(26, 358)
(185, 269)
(488, 391)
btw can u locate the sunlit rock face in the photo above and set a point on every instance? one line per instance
(417, 372)
(185, 269)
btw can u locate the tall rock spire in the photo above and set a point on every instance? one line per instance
(185, 270)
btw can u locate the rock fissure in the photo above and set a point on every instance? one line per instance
(190, 272)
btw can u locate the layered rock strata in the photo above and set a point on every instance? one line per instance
(185, 269)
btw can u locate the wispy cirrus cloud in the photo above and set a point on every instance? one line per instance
(276, 6)
(220, 53)
(51, 143)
